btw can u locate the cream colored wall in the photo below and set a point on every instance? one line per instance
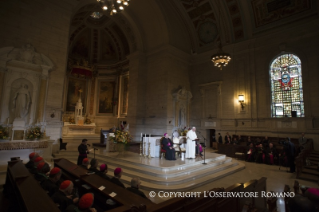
(45, 25)
(248, 74)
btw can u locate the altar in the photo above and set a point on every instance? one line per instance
(76, 129)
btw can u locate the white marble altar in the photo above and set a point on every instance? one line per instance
(155, 147)
(75, 129)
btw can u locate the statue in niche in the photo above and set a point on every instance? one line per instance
(21, 102)
(182, 99)
(184, 94)
(182, 116)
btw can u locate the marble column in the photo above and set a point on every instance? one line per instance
(41, 99)
(92, 96)
(1, 83)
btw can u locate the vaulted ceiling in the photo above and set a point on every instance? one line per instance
(197, 25)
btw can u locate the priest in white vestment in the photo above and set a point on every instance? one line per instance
(191, 143)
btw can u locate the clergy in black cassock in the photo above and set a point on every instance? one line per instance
(168, 146)
(83, 151)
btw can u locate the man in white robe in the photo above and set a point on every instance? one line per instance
(190, 148)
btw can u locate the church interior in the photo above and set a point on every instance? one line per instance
(128, 71)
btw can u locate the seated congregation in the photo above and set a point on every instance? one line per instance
(268, 150)
(65, 191)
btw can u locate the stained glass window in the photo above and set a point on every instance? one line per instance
(286, 87)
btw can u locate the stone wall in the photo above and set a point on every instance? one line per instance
(248, 74)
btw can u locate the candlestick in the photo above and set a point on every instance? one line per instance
(144, 144)
(149, 149)
(141, 149)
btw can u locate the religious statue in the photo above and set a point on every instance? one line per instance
(182, 100)
(184, 94)
(182, 121)
(21, 102)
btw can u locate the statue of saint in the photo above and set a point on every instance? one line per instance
(21, 102)
(182, 117)
(184, 94)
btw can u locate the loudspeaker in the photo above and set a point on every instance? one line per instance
(293, 113)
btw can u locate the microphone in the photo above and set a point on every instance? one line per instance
(88, 145)
(96, 149)
(198, 132)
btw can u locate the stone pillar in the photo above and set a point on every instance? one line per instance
(41, 100)
(1, 87)
(92, 94)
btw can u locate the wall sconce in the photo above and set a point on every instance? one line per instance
(241, 100)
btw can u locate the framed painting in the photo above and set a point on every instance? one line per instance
(76, 89)
(105, 97)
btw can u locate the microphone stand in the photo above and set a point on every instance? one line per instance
(204, 148)
(94, 152)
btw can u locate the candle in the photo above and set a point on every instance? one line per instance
(8, 121)
(141, 134)
(150, 135)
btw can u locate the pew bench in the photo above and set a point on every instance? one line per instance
(27, 194)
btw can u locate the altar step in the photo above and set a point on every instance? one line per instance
(169, 178)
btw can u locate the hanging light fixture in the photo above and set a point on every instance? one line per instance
(113, 6)
(221, 58)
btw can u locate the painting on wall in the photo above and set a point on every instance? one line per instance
(125, 95)
(105, 97)
(76, 89)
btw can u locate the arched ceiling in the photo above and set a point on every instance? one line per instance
(190, 25)
(232, 21)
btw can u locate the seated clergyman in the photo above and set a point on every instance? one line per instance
(51, 185)
(135, 185)
(117, 177)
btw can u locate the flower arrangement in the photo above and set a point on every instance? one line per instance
(183, 131)
(34, 133)
(87, 121)
(4, 133)
(119, 136)
(71, 120)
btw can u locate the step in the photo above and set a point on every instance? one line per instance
(179, 177)
(310, 171)
(309, 177)
(157, 170)
(314, 167)
(173, 177)
(314, 160)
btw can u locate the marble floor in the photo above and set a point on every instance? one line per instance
(276, 179)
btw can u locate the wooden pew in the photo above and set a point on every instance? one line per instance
(260, 202)
(95, 182)
(230, 203)
(79, 176)
(248, 187)
(28, 193)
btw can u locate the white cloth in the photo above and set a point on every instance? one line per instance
(190, 148)
(154, 150)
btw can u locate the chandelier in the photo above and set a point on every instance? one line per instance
(221, 58)
(113, 6)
